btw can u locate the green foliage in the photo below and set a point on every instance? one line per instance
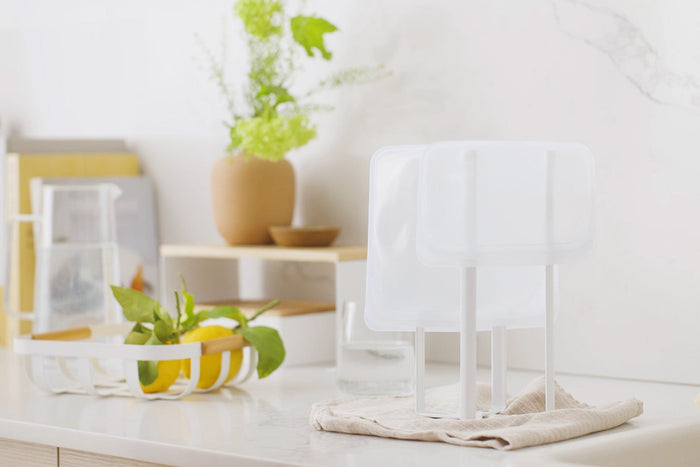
(261, 18)
(148, 370)
(271, 137)
(139, 307)
(139, 335)
(224, 312)
(308, 32)
(277, 117)
(155, 326)
(269, 339)
(359, 75)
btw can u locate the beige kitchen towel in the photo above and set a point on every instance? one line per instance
(523, 422)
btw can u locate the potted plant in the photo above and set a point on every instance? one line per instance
(253, 187)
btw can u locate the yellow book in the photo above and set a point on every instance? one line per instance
(2, 318)
(20, 169)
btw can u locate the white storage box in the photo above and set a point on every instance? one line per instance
(307, 328)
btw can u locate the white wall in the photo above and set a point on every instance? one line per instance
(622, 76)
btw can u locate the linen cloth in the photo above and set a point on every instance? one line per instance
(522, 423)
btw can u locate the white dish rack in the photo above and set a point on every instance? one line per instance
(92, 360)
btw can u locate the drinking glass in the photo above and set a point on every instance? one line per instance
(371, 362)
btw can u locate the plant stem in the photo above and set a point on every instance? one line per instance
(262, 310)
(177, 305)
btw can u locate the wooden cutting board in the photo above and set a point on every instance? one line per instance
(284, 308)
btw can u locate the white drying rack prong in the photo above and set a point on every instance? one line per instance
(498, 368)
(550, 308)
(420, 370)
(467, 358)
(467, 344)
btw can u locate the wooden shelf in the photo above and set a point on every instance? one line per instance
(331, 254)
(284, 308)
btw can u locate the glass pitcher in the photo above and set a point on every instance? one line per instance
(76, 257)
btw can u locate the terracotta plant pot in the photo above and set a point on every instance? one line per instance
(250, 195)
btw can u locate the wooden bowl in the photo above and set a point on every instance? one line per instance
(312, 235)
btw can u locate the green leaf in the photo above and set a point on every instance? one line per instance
(148, 369)
(162, 331)
(268, 343)
(139, 335)
(148, 372)
(224, 312)
(189, 303)
(280, 93)
(190, 319)
(161, 314)
(308, 32)
(135, 305)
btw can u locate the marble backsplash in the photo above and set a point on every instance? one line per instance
(621, 76)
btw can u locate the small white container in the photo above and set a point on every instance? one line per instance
(307, 328)
(308, 338)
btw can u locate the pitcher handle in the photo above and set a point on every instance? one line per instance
(9, 309)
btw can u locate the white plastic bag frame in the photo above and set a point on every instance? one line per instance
(467, 349)
(467, 332)
(88, 356)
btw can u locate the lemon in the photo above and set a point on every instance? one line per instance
(168, 371)
(210, 365)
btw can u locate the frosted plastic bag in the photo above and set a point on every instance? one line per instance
(504, 203)
(424, 203)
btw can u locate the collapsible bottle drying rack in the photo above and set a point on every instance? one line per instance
(466, 236)
(76, 361)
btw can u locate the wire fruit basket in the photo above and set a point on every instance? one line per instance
(92, 360)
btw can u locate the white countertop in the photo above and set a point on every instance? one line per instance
(266, 422)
